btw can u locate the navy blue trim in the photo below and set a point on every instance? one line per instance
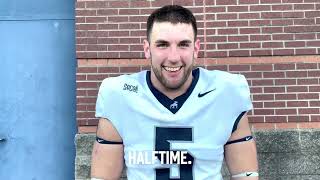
(247, 138)
(167, 102)
(103, 141)
(235, 125)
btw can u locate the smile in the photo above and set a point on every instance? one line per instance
(172, 69)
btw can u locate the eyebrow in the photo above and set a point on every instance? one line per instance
(160, 41)
(186, 41)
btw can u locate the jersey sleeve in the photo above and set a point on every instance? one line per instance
(242, 94)
(106, 105)
(243, 91)
(101, 101)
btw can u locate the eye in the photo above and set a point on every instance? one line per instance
(162, 45)
(184, 44)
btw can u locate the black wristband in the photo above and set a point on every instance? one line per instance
(102, 141)
(247, 138)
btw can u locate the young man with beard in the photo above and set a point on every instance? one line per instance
(174, 109)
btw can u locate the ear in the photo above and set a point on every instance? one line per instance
(146, 49)
(196, 48)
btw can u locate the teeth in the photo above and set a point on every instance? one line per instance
(171, 69)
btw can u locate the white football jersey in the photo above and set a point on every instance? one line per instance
(199, 121)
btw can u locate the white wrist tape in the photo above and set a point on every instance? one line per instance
(246, 174)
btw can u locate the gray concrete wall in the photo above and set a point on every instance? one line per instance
(283, 155)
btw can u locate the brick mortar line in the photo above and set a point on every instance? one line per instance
(220, 50)
(267, 86)
(218, 6)
(263, 108)
(200, 64)
(287, 100)
(215, 43)
(138, 8)
(88, 119)
(262, 101)
(214, 35)
(89, 88)
(236, 71)
(275, 114)
(233, 35)
(218, 43)
(210, 61)
(209, 13)
(284, 108)
(86, 105)
(256, 101)
(217, 50)
(252, 115)
(216, 20)
(276, 100)
(240, 72)
(220, 20)
(201, 28)
(289, 93)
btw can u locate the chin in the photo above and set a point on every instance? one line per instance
(174, 85)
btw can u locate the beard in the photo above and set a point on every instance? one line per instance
(166, 83)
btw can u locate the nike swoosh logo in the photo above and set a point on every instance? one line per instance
(203, 94)
(248, 174)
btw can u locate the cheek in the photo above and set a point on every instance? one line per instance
(158, 56)
(188, 57)
(156, 59)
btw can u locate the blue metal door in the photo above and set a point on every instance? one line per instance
(37, 90)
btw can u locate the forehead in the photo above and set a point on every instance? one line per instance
(171, 32)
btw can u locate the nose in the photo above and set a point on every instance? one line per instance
(173, 54)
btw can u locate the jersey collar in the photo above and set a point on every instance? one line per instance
(175, 104)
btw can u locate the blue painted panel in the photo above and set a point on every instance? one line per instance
(36, 9)
(37, 99)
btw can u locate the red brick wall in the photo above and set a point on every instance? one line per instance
(227, 28)
(284, 84)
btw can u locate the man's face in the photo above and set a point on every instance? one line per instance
(172, 50)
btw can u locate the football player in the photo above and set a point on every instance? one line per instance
(174, 107)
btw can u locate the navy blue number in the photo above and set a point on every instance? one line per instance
(165, 134)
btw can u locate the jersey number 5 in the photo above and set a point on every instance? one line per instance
(163, 136)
